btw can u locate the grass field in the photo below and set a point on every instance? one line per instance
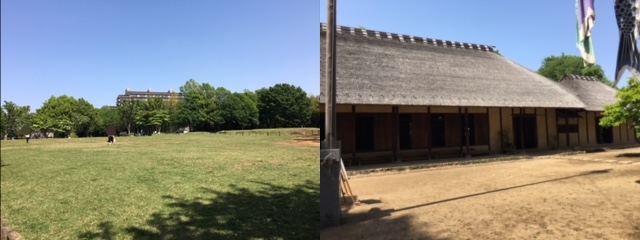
(189, 186)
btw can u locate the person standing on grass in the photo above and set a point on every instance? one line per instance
(28, 136)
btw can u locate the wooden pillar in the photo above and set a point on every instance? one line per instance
(501, 141)
(566, 127)
(467, 132)
(620, 134)
(355, 136)
(522, 128)
(460, 114)
(489, 127)
(628, 129)
(429, 135)
(578, 121)
(586, 120)
(546, 125)
(396, 129)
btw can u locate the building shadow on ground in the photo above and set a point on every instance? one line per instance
(629, 155)
(377, 223)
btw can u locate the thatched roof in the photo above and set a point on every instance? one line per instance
(590, 90)
(382, 68)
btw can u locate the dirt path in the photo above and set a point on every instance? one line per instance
(559, 198)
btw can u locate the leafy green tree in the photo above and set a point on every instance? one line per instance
(190, 86)
(627, 107)
(237, 111)
(127, 110)
(3, 122)
(85, 117)
(107, 117)
(316, 117)
(152, 114)
(59, 114)
(198, 109)
(283, 105)
(16, 117)
(555, 67)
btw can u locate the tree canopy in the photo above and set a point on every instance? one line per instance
(14, 118)
(627, 107)
(283, 105)
(555, 67)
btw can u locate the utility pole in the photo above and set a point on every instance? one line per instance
(330, 86)
(330, 162)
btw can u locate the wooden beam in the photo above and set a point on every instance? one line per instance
(586, 120)
(578, 120)
(460, 114)
(522, 128)
(429, 135)
(355, 136)
(467, 131)
(546, 125)
(566, 128)
(501, 141)
(489, 127)
(396, 135)
(620, 134)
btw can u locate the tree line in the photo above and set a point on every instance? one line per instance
(202, 108)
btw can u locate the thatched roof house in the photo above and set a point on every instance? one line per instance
(385, 68)
(401, 97)
(590, 90)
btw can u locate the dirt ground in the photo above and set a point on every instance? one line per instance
(590, 196)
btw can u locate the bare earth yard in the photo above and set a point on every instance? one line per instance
(590, 196)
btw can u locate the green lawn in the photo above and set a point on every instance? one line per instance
(189, 186)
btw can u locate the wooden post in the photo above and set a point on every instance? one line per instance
(429, 135)
(522, 128)
(330, 91)
(566, 127)
(501, 141)
(578, 125)
(460, 115)
(396, 129)
(489, 127)
(546, 125)
(586, 119)
(467, 131)
(354, 145)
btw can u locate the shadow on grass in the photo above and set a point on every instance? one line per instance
(106, 232)
(268, 213)
(629, 155)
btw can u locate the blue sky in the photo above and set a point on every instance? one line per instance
(96, 49)
(526, 32)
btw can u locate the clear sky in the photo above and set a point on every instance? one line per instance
(526, 32)
(96, 49)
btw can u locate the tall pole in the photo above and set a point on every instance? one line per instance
(330, 96)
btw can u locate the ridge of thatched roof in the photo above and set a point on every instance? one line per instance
(374, 67)
(590, 90)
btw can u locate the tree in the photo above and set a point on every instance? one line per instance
(3, 121)
(555, 67)
(127, 110)
(283, 105)
(190, 86)
(627, 107)
(237, 111)
(85, 117)
(16, 117)
(107, 117)
(152, 113)
(198, 108)
(316, 117)
(59, 114)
